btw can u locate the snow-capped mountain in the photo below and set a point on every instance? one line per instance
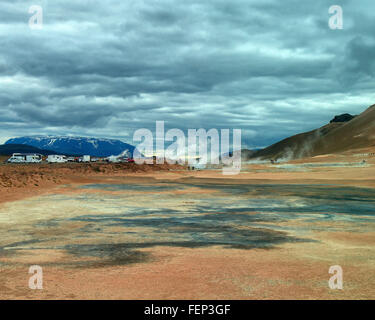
(75, 145)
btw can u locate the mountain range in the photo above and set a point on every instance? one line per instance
(74, 145)
(344, 132)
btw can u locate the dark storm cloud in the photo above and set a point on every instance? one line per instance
(270, 68)
(360, 53)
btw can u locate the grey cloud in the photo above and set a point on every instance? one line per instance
(270, 68)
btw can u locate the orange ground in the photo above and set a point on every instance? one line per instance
(289, 271)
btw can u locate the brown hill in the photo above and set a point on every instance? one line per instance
(359, 132)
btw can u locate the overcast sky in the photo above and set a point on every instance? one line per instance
(106, 68)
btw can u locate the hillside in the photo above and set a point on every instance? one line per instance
(337, 136)
(9, 149)
(75, 145)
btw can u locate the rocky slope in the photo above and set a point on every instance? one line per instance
(343, 133)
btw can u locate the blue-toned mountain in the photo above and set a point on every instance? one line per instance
(96, 147)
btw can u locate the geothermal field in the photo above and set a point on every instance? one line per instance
(109, 231)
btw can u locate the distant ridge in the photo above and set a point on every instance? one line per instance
(9, 149)
(75, 145)
(345, 132)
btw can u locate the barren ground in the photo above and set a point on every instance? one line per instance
(50, 217)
